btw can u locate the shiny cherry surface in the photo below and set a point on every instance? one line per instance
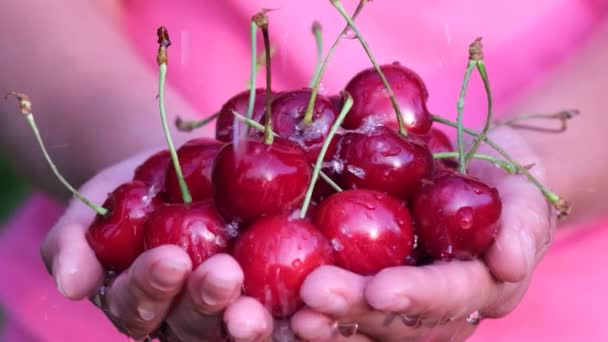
(118, 238)
(153, 170)
(456, 216)
(368, 230)
(276, 254)
(224, 127)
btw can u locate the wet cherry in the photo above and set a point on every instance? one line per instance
(118, 237)
(383, 160)
(438, 142)
(153, 170)
(367, 229)
(276, 254)
(456, 216)
(196, 159)
(196, 227)
(239, 103)
(254, 179)
(372, 105)
(337, 101)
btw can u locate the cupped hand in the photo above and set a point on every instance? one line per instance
(160, 291)
(443, 301)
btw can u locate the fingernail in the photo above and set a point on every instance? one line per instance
(168, 273)
(147, 312)
(338, 304)
(212, 293)
(395, 303)
(528, 249)
(62, 271)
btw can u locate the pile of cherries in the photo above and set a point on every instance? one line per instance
(399, 205)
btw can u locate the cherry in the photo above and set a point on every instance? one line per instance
(337, 101)
(153, 170)
(254, 179)
(196, 160)
(276, 254)
(118, 237)
(224, 127)
(438, 142)
(369, 230)
(456, 216)
(372, 104)
(196, 227)
(288, 109)
(383, 160)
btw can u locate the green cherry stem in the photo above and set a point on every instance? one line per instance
(560, 204)
(26, 109)
(260, 127)
(189, 126)
(254, 66)
(476, 54)
(162, 59)
(508, 167)
(318, 34)
(338, 5)
(460, 107)
(315, 87)
(317, 169)
(261, 20)
(562, 116)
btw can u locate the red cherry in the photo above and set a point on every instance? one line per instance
(118, 237)
(337, 101)
(368, 230)
(456, 216)
(385, 161)
(288, 109)
(438, 142)
(276, 254)
(153, 171)
(255, 179)
(239, 103)
(196, 159)
(196, 227)
(372, 105)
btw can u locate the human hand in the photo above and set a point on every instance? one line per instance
(433, 302)
(160, 289)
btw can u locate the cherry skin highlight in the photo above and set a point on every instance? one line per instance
(276, 254)
(118, 238)
(368, 230)
(385, 161)
(196, 227)
(254, 179)
(288, 109)
(224, 127)
(372, 105)
(153, 170)
(456, 216)
(196, 159)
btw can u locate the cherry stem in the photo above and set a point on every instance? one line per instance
(26, 109)
(510, 168)
(189, 126)
(317, 168)
(254, 67)
(318, 34)
(338, 5)
(562, 116)
(260, 127)
(315, 87)
(476, 54)
(562, 206)
(162, 59)
(462, 164)
(261, 21)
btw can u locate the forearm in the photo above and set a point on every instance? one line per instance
(93, 99)
(576, 161)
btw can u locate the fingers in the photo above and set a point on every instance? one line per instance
(247, 320)
(313, 326)
(139, 299)
(214, 285)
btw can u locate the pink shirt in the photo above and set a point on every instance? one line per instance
(524, 40)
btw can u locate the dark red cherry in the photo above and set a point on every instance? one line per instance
(367, 229)
(196, 158)
(337, 101)
(224, 127)
(372, 105)
(456, 216)
(153, 170)
(438, 142)
(383, 160)
(118, 237)
(276, 254)
(288, 109)
(253, 179)
(196, 227)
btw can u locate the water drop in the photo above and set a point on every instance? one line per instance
(464, 216)
(296, 264)
(348, 329)
(337, 245)
(350, 34)
(357, 171)
(232, 229)
(474, 318)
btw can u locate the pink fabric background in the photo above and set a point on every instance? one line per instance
(209, 62)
